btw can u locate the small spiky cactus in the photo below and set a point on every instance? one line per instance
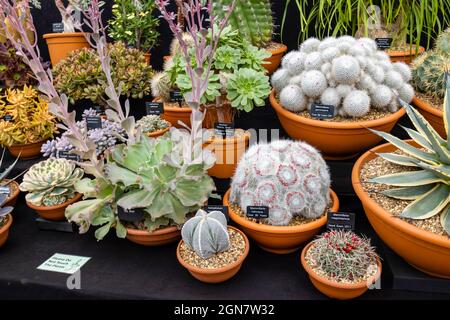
(160, 84)
(253, 19)
(290, 177)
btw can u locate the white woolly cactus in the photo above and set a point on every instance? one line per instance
(289, 177)
(349, 73)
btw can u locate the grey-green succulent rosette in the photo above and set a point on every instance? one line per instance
(157, 176)
(238, 74)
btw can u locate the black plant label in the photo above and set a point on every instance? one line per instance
(99, 110)
(257, 212)
(384, 43)
(223, 129)
(8, 118)
(176, 96)
(93, 123)
(223, 209)
(58, 27)
(130, 215)
(341, 221)
(4, 190)
(69, 156)
(322, 111)
(154, 108)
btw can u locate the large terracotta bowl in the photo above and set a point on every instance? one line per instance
(156, 238)
(26, 151)
(280, 239)
(434, 116)
(423, 250)
(405, 56)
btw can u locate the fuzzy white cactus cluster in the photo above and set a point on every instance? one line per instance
(289, 177)
(350, 74)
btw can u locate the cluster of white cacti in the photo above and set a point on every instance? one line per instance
(289, 177)
(350, 74)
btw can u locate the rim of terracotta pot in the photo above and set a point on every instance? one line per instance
(165, 230)
(330, 283)
(427, 107)
(16, 193)
(173, 109)
(280, 229)
(59, 206)
(222, 141)
(384, 215)
(406, 53)
(63, 34)
(7, 225)
(334, 125)
(27, 144)
(276, 51)
(159, 132)
(217, 270)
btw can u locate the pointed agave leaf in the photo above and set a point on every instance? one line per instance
(408, 179)
(430, 204)
(7, 170)
(408, 193)
(445, 219)
(399, 159)
(417, 137)
(442, 171)
(447, 112)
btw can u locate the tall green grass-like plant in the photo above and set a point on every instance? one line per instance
(401, 19)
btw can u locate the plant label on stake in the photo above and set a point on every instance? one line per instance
(225, 130)
(223, 209)
(154, 108)
(384, 43)
(8, 118)
(130, 215)
(58, 27)
(93, 123)
(322, 111)
(68, 155)
(257, 212)
(341, 221)
(176, 96)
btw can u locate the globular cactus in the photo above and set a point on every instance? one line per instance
(348, 73)
(160, 84)
(289, 177)
(293, 99)
(252, 18)
(206, 233)
(175, 44)
(443, 41)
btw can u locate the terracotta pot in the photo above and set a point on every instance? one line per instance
(280, 239)
(337, 140)
(61, 44)
(424, 250)
(405, 56)
(275, 59)
(175, 114)
(336, 290)
(212, 114)
(220, 274)
(156, 238)
(159, 133)
(434, 116)
(148, 57)
(228, 152)
(4, 231)
(55, 213)
(12, 199)
(26, 151)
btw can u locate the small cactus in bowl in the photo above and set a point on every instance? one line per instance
(152, 123)
(51, 182)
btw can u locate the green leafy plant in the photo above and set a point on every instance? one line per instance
(398, 19)
(134, 24)
(428, 187)
(51, 182)
(13, 71)
(152, 123)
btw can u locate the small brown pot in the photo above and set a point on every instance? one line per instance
(228, 152)
(176, 114)
(148, 57)
(275, 59)
(4, 231)
(405, 56)
(220, 274)
(159, 133)
(336, 290)
(280, 239)
(423, 250)
(434, 116)
(12, 198)
(55, 213)
(26, 151)
(156, 238)
(61, 44)
(337, 140)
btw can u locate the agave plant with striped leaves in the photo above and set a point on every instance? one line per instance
(428, 187)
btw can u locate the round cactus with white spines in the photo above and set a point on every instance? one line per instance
(293, 99)
(289, 177)
(346, 65)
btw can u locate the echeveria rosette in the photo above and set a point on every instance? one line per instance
(248, 88)
(227, 58)
(184, 83)
(253, 57)
(49, 179)
(428, 187)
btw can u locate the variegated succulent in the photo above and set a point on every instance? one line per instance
(428, 187)
(51, 182)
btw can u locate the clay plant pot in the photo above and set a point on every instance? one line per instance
(275, 59)
(175, 114)
(337, 140)
(280, 239)
(423, 250)
(54, 213)
(216, 275)
(26, 151)
(61, 44)
(156, 238)
(4, 231)
(148, 57)
(12, 198)
(434, 116)
(159, 133)
(405, 56)
(336, 290)
(212, 114)
(228, 152)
